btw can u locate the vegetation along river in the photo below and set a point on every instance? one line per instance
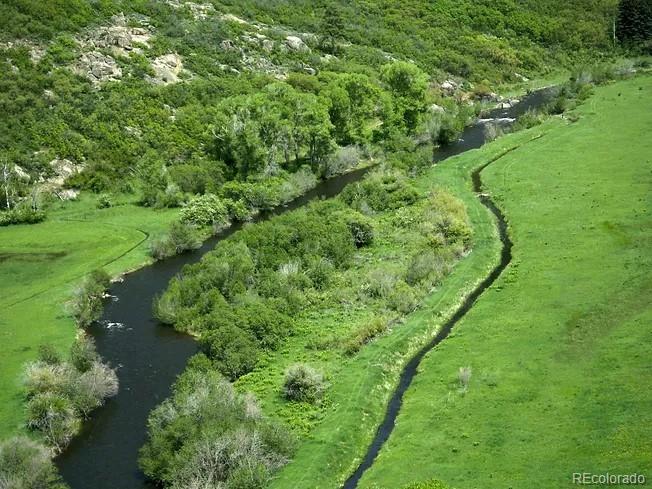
(149, 355)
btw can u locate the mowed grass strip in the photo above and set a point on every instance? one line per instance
(41, 264)
(560, 346)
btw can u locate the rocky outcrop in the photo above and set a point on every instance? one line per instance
(296, 44)
(449, 86)
(118, 36)
(199, 11)
(98, 67)
(167, 69)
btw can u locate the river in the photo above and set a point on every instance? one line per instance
(149, 355)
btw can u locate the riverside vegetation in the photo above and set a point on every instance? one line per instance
(318, 283)
(155, 117)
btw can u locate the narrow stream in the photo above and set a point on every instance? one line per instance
(410, 370)
(149, 355)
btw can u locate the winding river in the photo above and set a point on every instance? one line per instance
(149, 355)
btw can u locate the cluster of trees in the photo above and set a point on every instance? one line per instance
(60, 393)
(245, 296)
(208, 435)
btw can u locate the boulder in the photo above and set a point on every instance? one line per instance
(167, 69)
(296, 44)
(436, 109)
(22, 174)
(449, 86)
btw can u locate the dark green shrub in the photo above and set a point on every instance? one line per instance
(364, 335)
(83, 354)
(181, 237)
(24, 464)
(205, 210)
(303, 383)
(208, 431)
(53, 415)
(86, 303)
(233, 350)
(49, 355)
(22, 215)
(361, 229)
(104, 201)
(402, 299)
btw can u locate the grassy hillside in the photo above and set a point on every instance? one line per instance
(41, 264)
(559, 346)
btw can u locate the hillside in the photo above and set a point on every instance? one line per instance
(112, 87)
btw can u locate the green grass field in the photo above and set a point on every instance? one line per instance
(361, 388)
(560, 345)
(40, 265)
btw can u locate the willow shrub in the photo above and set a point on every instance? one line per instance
(207, 432)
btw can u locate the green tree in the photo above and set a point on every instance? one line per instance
(331, 27)
(634, 21)
(408, 85)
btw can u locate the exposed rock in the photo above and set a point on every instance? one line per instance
(296, 44)
(98, 67)
(227, 45)
(233, 18)
(449, 86)
(22, 174)
(63, 169)
(268, 45)
(36, 52)
(521, 77)
(67, 193)
(167, 69)
(309, 70)
(436, 109)
(327, 58)
(118, 37)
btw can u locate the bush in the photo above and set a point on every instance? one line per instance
(303, 383)
(208, 435)
(382, 190)
(60, 394)
(86, 303)
(342, 160)
(49, 355)
(104, 201)
(83, 354)
(181, 237)
(425, 266)
(24, 464)
(361, 229)
(232, 349)
(364, 335)
(53, 415)
(205, 210)
(25, 215)
(402, 299)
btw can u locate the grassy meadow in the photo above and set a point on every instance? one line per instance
(559, 346)
(362, 386)
(40, 264)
